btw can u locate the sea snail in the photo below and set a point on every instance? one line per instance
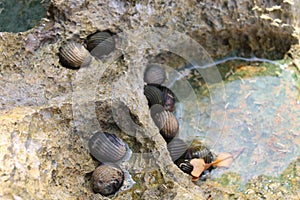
(74, 55)
(107, 179)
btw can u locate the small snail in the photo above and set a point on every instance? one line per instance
(177, 148)
(154, 74)
(185, 165)
(158, 94)
(100, 43)
(167, 123)
(194, 167)
(107, 179)
(74, 55)
(153, 95)
(107, 147)
(197, 160)
(168, 98)
(198, 150)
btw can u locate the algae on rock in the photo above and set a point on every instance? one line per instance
(43, 150)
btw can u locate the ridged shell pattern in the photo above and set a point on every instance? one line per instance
(107, 147)
(154, 74)
(177, 148)
(101, 43)
(158, 94)
(107, 179)
(168, 98)
(161, 101)
(200, 152)
(196, 150)
(74, 55)
(153, 95)
(167, 123)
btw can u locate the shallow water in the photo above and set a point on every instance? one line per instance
(259, 114)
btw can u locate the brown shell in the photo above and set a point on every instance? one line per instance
(158, 94)
(168, 98)
(107, 179)
(101, 43)
(167, 123)
(74, 55)
(154, 74)
(153, 95)
(107, 147)
(177, 148)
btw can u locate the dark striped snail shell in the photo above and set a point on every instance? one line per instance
(100, 43)
(107, 147)
(107, 179)
(177, 148)
(168, 98)
(74, 55)
(158, 94)
(185, 165)
(167, 123)
(153, 95)
(154, 74)
(200, 151)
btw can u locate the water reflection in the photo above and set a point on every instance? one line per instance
(262, 116)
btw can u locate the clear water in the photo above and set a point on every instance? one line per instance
(260, 114)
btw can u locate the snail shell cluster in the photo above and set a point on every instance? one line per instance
(161, 101)
(75, 55)
(109, 150)
(106, 148)
(107, 179)
(195, 150)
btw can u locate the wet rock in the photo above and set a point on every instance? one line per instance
(48, 111)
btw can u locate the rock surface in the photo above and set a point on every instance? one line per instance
(48, 112)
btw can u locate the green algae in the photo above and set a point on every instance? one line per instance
(18, 16)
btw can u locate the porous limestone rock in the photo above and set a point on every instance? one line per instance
(49, 111)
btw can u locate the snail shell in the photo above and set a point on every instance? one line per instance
(154, 73)
(168, 98)
(167, 123)
(100, 43)
(177, 148)
(200, 151)
(165, 97)
(74, 55)
(107, 147)
(107, 179)
(153, 95)
(185, 165)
